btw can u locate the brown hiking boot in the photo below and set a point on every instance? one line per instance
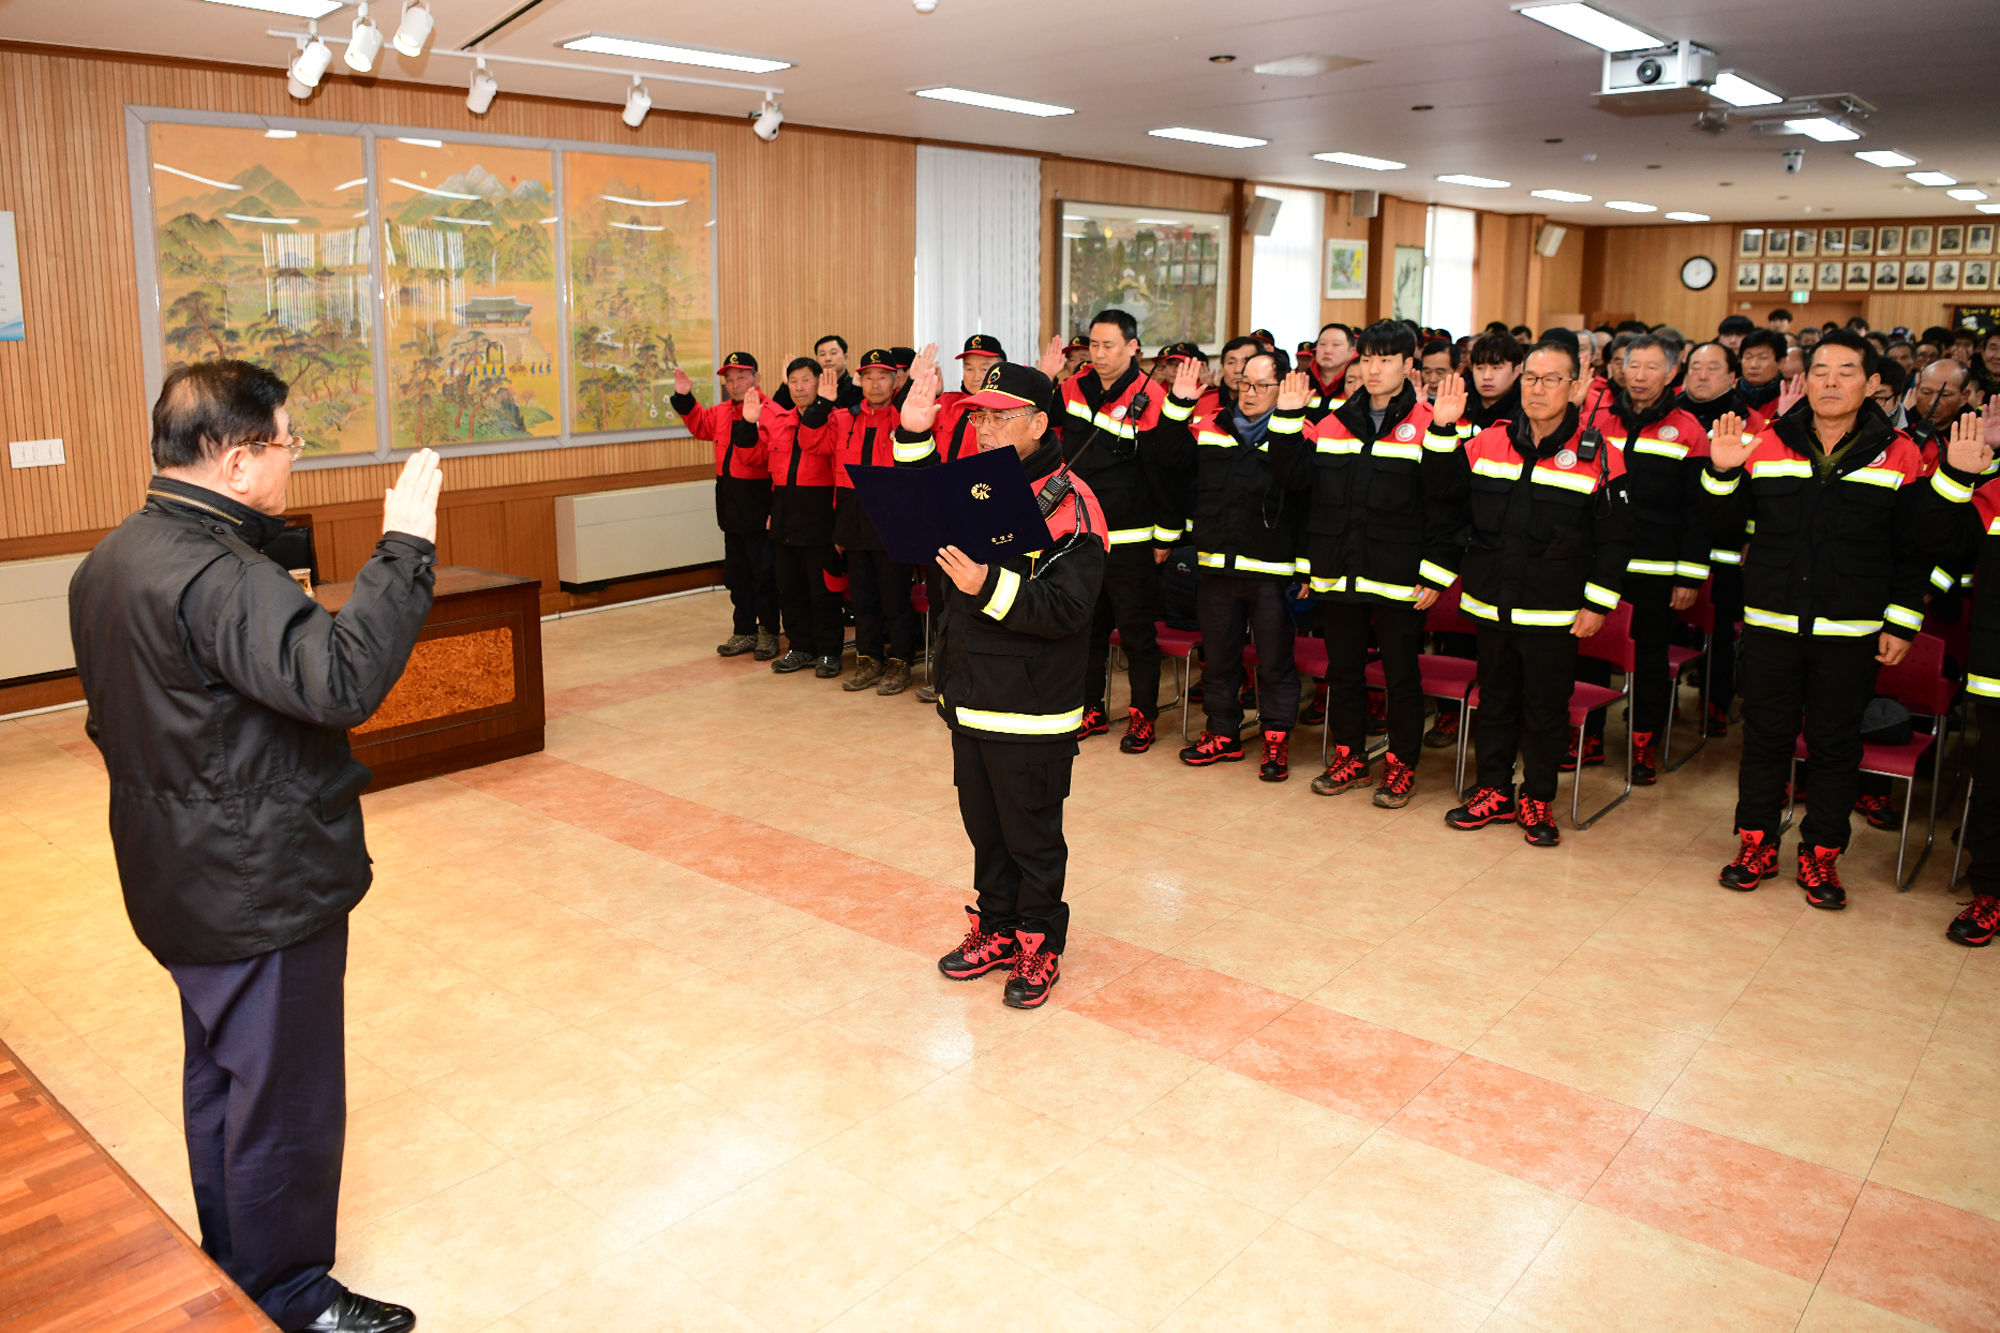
(896, 678)
(736, 645)
(767, 645)
(867, 671)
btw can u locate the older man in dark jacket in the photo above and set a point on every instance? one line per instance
(220, 694)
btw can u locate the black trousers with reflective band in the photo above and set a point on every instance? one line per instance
(885, 624)
(264, 1095)
(1399, 633)
(1818, 685)
(1725, 594)
(1010, 795)
(1227, 605)
(750, 573)
(1653, 621)
(1128, 602)
(1982, 830)
(811, 610)
(1525, 679)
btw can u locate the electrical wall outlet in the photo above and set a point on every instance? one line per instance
(35, 453)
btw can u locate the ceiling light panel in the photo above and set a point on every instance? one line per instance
(1967, 195)
(298, 9)
(1678, 216)
(1736, 90)
(1628, 206)
(1588, 23)
(1931, 178)
(1988, 208)
(1561, 196)
(1210, 137)
(1886, 157)
(634, 48)
(1822, 129)
(1358, 160)
(1476, 182)
(994, 102)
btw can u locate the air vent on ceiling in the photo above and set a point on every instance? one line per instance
(1307, 65)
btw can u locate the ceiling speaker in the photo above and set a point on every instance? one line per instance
(1261, 217)
(1364, 204)
(1549, 240)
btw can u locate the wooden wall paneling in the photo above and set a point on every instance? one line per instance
(1559, 286)
(1642, 268)
(1590, 276)
(1489, 285)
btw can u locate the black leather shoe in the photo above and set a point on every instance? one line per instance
(828, 668)
(795, 660)
(351, 1312)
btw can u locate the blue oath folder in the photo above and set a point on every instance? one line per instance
(983, 505)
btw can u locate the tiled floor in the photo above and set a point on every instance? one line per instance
(646, 1035)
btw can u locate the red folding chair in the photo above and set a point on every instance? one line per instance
(1443, 676)
(1173, 642)
(1702, 616)
(1310, 655)
(1964, 826)
(1612, 644)
(1918, 683)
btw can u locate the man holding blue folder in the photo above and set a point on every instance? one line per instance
(1010, 675)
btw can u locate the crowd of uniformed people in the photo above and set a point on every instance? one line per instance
(1828, 493)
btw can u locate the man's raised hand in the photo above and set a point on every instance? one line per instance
(410, 506)
(1449, 405)
(1729, 444)
(1052, 358)
(1789, 395)
(829, 385)
(1187, 379)
(753, 405)
(1293, 391)
(1972, 442)
(682, 384)
(920, 403)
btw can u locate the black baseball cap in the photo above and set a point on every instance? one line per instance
(737, 361)
(1013, 385)
(1080, 343)
(903, 357)
(982, 344)
(1264, 336)
(1182, 352)
(877, 356)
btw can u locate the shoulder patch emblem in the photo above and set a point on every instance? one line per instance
(1118, 412)
(1406, 432)
(1880, 459)
(1566, 458)
(1670, 432)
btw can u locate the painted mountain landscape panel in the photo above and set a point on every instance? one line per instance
(640, 286)
(469, 269)
(262, 244)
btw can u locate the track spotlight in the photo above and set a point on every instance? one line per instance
(414, 30)
(484, 88)
(364, 42)
(637, 103)
(768, 119)
(311, 66)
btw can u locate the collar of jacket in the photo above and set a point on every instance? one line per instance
(1522, 435)
(1759, 394)
(1360, 421)
(254, 529)
(1710, 412)
(1326, 388)
(1479, 416)
(1872, 433)
(1044, 460)
(1093, 390)
(1633, 419)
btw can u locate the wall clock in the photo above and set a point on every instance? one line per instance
(1698, 273)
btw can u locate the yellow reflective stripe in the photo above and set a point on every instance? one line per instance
(1722, 557)
(1543, 618)
(1263, 566)
(1395, 592)
(1342, 445)
(1581, 482)
(1902, 615)
(1940, 580)
(1285, 425)
(1750, 528)
(910, 453)
(1599, 595)
(1472, 606)
(1715, 485)
(1174, 411)
(1330, 585)
(1847, 629)
(1313, 401)
(1216, 437)
(1005, 589)
(1770, 620)
(1877, 476)
(1165, 534)
(1437, 576)
(1664, 448)
(1986, 687)
(1302, 565)
(1407, 452)
(1666, 568)
(1781, 467)
(1495, 467)
(1076, 408)
(1021, 724)
(1211, 559)
(1127, 536)
(1949, 489)
(1688, 569)
(1441, 444)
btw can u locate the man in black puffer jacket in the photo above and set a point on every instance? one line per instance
(220, 695)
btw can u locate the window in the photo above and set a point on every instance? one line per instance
(1285, 271)
(1450, 245)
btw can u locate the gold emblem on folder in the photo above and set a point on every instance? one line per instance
(1002, 541)
(981, 491)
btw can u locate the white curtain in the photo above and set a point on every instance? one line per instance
(979, 251)
(1450, 245)
(1284, 275)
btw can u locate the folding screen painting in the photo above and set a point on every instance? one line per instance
(1169, 268)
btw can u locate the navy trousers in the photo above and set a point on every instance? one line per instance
(264, 1088)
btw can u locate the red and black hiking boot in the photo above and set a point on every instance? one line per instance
(1879, 813)
(1138, 736)
(1487, 805)
(1034, 975)
(1347, 769)
(1645, 759)
(1538, 826)
(1378, 713)
(1820, 880)
(1718, 721)
(1593, 753)
(1398, 781)
(1095, 723)
(1444, 733)
(1277, 757)
(1975, 925)
(1756, 861)
(1314, 713)
(1213, 748)
(978, 953)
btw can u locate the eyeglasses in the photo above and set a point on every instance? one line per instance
(294, 446)
(1552, 381)
(1259, 384)
(986, 416)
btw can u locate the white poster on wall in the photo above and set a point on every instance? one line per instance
(13, 327)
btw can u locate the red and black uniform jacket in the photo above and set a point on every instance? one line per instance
(1012, 656)
(1960, 518)
(1665, 450)
(864, 435)
(1720, 551)
(1833, 552)
(1107, 436)
(799, 447)
(1372, 526)
(742, 481)
(1542, 534)
(1326, 396)
(1246, 514)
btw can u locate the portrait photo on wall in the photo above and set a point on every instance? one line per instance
(1778, 242)
(1857, 275)
(1888, 275)
(1749, 276)
(1805, 244)
(1944, 275)
(1775, 273)
(1979, 238)
(1951, 239)
(1888, 240)
(1750, 244)
(1916, 275)
(1833, 240)
(1918, 241)
(1829, 275)
(1976, 276)
(1861, 240)
(1802, 276)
